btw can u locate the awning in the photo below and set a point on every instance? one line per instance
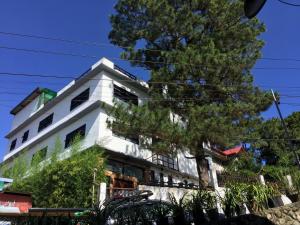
(233, 151)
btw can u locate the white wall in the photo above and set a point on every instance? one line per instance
(25, 113)
(162, 193)
(91, 120)
(61, 112)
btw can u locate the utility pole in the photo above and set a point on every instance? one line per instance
(287, 135)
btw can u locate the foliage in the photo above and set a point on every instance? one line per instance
(202, 200)
(200, 58)
(235, 197)
(18, 171)
(255, 196)
(258, 195)
(273, 146)
(63, 183)
(178, 209)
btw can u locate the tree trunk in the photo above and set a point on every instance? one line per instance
(202, 169)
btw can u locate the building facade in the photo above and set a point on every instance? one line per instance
(45, 116)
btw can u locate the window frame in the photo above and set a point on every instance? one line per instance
(70, 136)
(13, 144)
(135, 140)
(25, 136)
(80, 99)
(45, 125)
(123, 95)
(40, 151)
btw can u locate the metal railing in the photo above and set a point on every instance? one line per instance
(225, 178)
(171, 185)
(120, 192)
(131, 76)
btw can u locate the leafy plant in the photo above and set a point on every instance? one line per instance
(257, 196)
(235, 197)
(178, 209)
(202, 200)
(63, 183)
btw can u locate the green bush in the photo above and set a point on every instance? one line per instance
(56, 183)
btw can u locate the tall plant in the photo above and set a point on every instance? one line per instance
(200, 59)
(64, 183)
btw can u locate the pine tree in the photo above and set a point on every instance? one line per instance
(200, 54)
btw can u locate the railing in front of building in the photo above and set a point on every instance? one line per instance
(120, 192)
(131, 76)
(225, 178)
(171, 185)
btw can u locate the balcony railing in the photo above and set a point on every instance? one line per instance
(131, 76)
(171, 185)
(120, 192)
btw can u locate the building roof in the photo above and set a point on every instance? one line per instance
(233, 151)
(26, 101)
(36, 92)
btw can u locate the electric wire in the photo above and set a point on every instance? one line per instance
(289, 3)
(98, 44)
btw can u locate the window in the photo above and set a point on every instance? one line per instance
(80, 99)
(39, 156)
(130, 137)
(13, 145)
(70, 137)
(165, 161)
(125, 96)
(161, 179)
(170, 181)
(45, 122)
(25, 136)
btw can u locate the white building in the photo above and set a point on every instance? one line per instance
(44, 116)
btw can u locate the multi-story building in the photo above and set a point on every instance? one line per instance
(44, 115)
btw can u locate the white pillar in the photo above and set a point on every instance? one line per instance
(289, 181)
(262, 180)
(212, 173)
(102, 193)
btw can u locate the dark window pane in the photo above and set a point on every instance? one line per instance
(13, 145)
(133, 138)
(81, 98)
(25, 136)
(125, 96)
(39, 156)
(70, 137)
(45, 122)
(170, 180)
(165, 161)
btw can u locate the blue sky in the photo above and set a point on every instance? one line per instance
(89, 21)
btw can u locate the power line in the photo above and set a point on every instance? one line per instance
(98, 44)
(288, 3)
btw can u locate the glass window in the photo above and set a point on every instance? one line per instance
(45, 122)
(118, 133)
(39, 156)
(125, 96)
(70, 137)
(25, 136)
(165, 161)
(170, 180)
(80, 99)
(13, 145)
(134, 172)
(115, 167)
